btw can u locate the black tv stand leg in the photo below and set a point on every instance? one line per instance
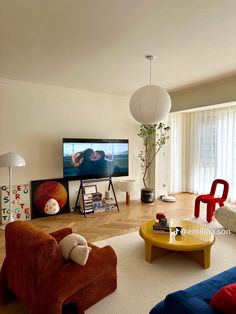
(77, 198)
(113, 190)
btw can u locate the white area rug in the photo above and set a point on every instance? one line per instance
(213, 225)
(141, 285)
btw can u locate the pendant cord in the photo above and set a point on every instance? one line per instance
(150, 82)
(150, 58)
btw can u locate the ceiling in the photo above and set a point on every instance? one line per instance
(99, 45)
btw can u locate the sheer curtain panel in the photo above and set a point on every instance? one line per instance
(203, 148)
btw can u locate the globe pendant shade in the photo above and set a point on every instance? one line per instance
(150, 104)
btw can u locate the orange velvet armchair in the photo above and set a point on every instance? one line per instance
(34, 272)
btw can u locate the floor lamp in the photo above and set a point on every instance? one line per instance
(11, 160)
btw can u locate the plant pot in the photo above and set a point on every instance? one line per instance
(147, 195)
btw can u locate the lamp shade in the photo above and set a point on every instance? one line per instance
(11, 160)
(150, 104)
(127, 186)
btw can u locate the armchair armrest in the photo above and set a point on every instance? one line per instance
(61, 234)
(71, 278)
(183, 302)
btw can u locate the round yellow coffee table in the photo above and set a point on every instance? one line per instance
(195, 241)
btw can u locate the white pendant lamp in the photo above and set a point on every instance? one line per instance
(150, 104)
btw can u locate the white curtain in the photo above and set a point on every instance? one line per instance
(178, 139)
(203, 148)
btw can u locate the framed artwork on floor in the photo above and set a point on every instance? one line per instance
(88, 189)
(20, 202)
(49, 193)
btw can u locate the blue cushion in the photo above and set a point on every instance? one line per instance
(195, 299)
(206, 289)
(182, 302)
(185, 303)
(158, 309)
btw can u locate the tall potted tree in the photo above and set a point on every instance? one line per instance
(154, 137)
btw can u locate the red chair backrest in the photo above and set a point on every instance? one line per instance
(225, 190)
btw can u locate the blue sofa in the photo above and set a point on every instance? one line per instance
(194, 300)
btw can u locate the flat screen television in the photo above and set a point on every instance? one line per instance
(95, 158)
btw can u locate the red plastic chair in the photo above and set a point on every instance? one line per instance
(211, 200)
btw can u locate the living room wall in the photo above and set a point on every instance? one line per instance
(211, 93)
(35, 118)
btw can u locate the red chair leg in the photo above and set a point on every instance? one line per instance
(210, 210)
(197, 207)
(221, 204)
(209, 213)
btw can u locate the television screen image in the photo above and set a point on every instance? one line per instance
(95, 158)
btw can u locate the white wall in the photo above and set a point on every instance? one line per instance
(35, 118)
(216, 92)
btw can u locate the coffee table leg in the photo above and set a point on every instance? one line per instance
(152, 252)
(207, 257)
(202, 257)
(148, 251)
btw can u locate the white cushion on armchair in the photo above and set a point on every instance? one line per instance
(226, 216)
(74, 247)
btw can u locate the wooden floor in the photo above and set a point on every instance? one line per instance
(104, 225)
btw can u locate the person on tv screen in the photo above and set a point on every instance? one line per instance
(104, 166)
(101, 164)
(89, 162)
(84, 161)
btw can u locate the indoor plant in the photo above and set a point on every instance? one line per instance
(154, 137)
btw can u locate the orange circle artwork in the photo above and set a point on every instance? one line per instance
(47, 190)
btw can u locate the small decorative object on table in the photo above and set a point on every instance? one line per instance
(158, 228)
(163, 222)
(161, 226)
(160, 215)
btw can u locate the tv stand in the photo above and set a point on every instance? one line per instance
(81, 190)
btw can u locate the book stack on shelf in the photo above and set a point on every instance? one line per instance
(91, 200)
(161, 228)
(97, 201)
(88, 203)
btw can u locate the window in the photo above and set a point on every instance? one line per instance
(204, 148)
